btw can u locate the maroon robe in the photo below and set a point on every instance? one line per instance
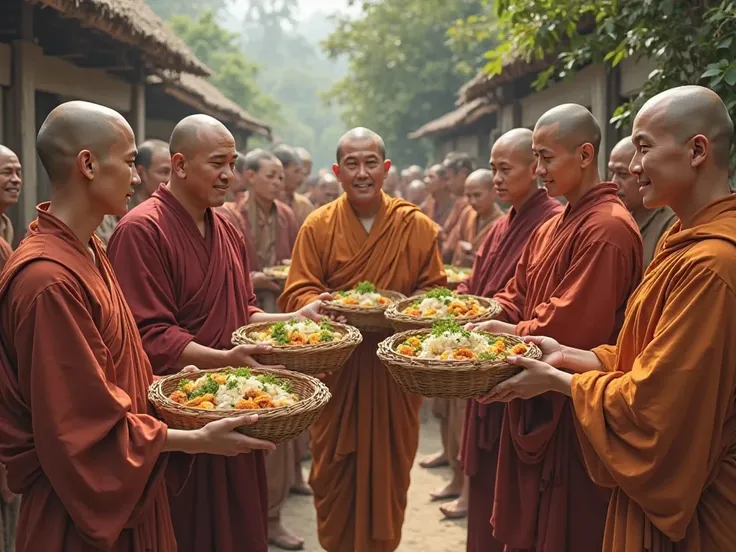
(494, 265)
(182, 288)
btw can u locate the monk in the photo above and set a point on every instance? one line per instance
(392, 185)
(185, 273)
(653, 223)
(476, 222)
(416, 193)
(572, 282)
(236, 196)
(364, 443)
(655, 413)
(328, 189)
(306, 158)
(10, 185)
(293, 178)
(77, 432)
(440, 202)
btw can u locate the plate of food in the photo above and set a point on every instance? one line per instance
(423, 311)
(364, 306)
(302, 345)
(279, 273)
(456, 275)
(448, 361)
(286, 402)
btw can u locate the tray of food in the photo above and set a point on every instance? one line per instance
(302, 345)
(286, 402)
(448, 361)
(278, 273)
(423, 311)
(456, 275)
(364, 306)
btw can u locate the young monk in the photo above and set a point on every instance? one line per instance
(655, 414)
(185, 273)
(572, 282)
(77, 432)
(293, 178)
(440, 202)
(653, 223)
(10, 185)
(458, 166)
(364, 443)
(513, 166)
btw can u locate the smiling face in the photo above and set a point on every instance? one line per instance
(627, 183)
(361, 170)
(10, 177)
(513, 168)
(558, 165)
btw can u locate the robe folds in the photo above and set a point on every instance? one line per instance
(658, 425)
(571, 283)
(364, 443)
(468, 230)
(494, 265)
(77, 433)
(183, 287)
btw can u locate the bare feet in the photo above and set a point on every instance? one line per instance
(300, 486)
(281, 538)
(457, 509)
(451, 490)
(436, 460)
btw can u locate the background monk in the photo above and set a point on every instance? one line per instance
(306, 158)
(416, 193)
(10, 184)
(76, 428)
(364, 443)
(392, 184)
(572, 282)
(440, 202)
(293, 178)
(513, 166)
(185, 273)
(328, 189)
(655, 414)
(237, 194)
(653, 223)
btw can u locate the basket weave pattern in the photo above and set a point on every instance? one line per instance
(274, 424)
(366, 319)
(448, 379)
(307, 359)
(403, 322)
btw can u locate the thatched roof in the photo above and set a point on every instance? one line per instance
(482, 83)
(133, 22)
(464, 115)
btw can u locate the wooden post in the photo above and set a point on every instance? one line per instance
(138, 110)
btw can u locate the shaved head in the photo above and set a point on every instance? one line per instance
(360, 134)
(187, 136)
(517, 140)
(624, 148)
(483, 177)
(74, 127)
(327, 190)
(6, 151)
(416, 192)
(574, 126)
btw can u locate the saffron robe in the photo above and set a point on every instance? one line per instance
(468, 230)
(659, 424)
(364, 443)
(76, 429)
(183, 287)
(572, 283)
(495, 264)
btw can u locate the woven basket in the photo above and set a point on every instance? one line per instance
(271, 273)
(366, 319)
(403, 322)
(448, 379)
(274, 424)
(307, 359)
(454, 285)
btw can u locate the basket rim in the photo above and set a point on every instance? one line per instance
(493, 308)
(351, 337)
(395, 296)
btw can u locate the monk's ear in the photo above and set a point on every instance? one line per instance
(179, 165)
(587, 155)
(336, 170)
(698, 150)
(87, 164)
(386, 166)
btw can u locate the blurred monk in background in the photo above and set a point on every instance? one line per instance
(10, 185)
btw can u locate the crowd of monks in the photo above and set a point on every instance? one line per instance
(621, 438)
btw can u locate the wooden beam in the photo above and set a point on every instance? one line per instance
(138, 110)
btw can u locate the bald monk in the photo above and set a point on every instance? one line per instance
(655, 413)
(513, 166)
(653, 223)
(10, 185)
(236, 195)
(328, 189)
(293, 178)
(572, 283)
(306, 159)
(476, 222)
(77, 432)
(364, 443)
(392, 185)
(440, 202)
(185, 273)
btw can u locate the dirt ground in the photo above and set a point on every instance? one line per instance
(424, 528)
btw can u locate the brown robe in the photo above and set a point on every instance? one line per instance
(76, 430)
(183, 287)
(301, 206)
(468, 230)
(571, 283)
(653, 228)
(364, 443)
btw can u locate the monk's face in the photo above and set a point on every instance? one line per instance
(112, 174)
(434, 180)
(513, 172)
(293, 177)
(267, 183)
(456, 181)
(10, 178)
(362, 170)
(306, 168)
(481, 195)
(327, 191)
(416, 193)
(560, 167)
(627, 183)
(159, 171)
(392, 182)
(239, 184)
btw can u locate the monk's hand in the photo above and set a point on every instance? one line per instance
(315, 310)
(219, 437)
(536, 378)
(189, 369)
(552, 351)
(493, 326)
(263, 282)
(242, 355)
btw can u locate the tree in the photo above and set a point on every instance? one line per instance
(166, 9)
(402, 71)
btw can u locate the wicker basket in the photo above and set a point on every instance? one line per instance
(366, 319)
(448, 379)
(274, 424)
(307, 359)
(403, 322)
(271, 272)
(454, 285)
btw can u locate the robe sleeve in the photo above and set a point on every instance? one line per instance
(306, 278)
(607, 356)
(98, 455)
(148, 289)
(656, 431)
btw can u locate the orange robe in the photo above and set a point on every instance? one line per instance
(467, 230)
(364, 443)
(659, 424)
(5, 251)
(76, 430)
(572, 283)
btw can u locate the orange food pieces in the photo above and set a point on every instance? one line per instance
(406, 350)
(246, 404)
(430, 312)
(463, 354)
(445, 355)
(382, 301)
(196, 401)
(414, 342)
(314, 339)
(178, 397)
(220, 378)
(207, 405)
(498, 347)
(350, 301)
(297, 338)
(263, 400)
(519, 349)
(411, 311)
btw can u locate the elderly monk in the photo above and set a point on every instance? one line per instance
(572, 282)
(76, 429)
(293, 178)
(306, 158)
(185, 273)
(364, 443)
(328, 189)
(655, 414)
(10, 184)
(477, 221)
(653, 223)
(513, 166)
(416, 193)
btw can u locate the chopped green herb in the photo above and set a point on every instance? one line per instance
(270, 379)
(438, 293)
(488, 356)
(365, 287)
(241, 373)
(232, 383)
(279, 333)
(325, 325)
(325, 336)
(183, 383)
(444, 325)
(209, 386)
